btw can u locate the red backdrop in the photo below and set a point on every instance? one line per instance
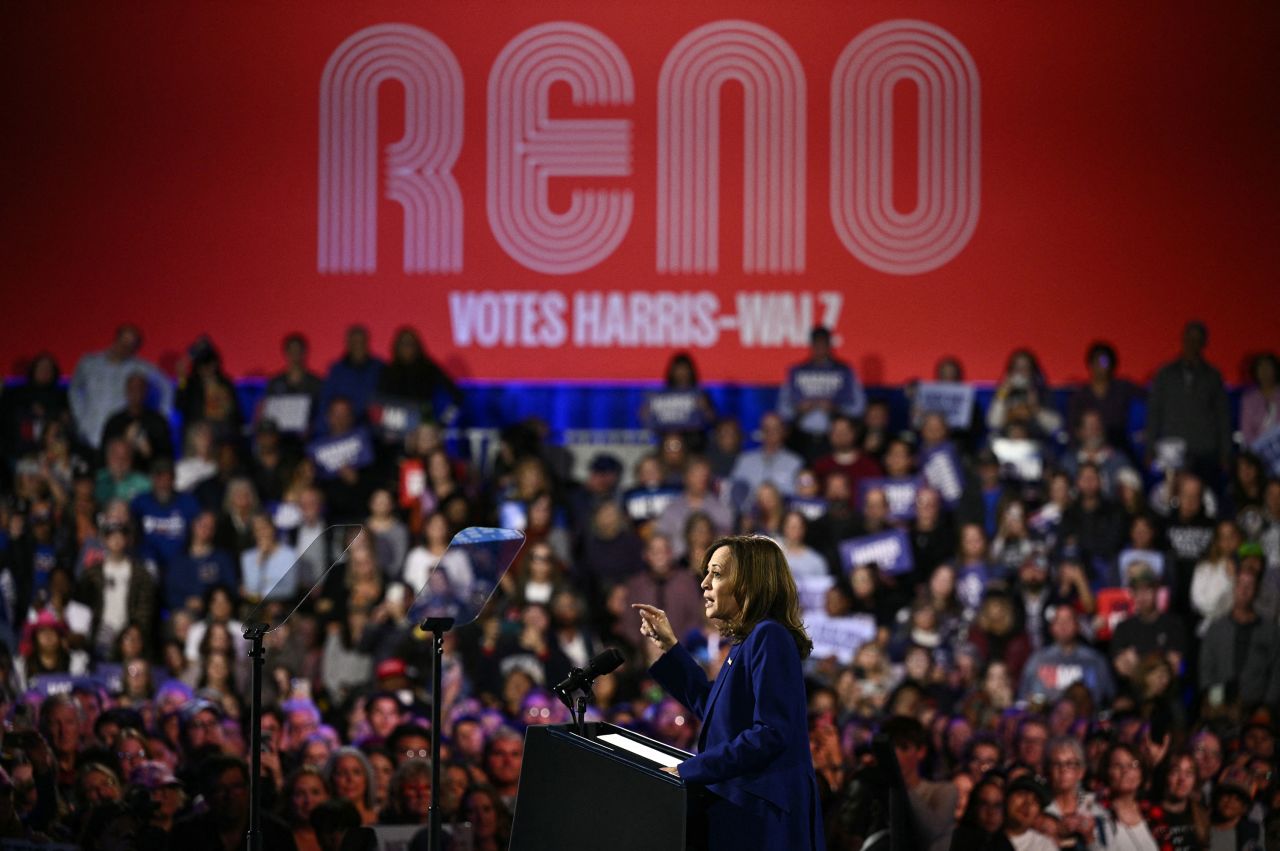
(160, 165)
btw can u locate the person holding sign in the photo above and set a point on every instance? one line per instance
(754, 746)
(681, 406)
(815, 391)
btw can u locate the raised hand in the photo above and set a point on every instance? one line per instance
(655, 626)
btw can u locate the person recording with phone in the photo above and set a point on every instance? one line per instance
(753, 755)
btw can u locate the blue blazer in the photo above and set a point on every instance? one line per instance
(753, 750)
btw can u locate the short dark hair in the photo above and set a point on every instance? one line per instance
(402, 731)
(983, 739)
(904, 731)
(1258, 360)
(333, 815)
(1027, 721)
(213, 767)
(1102, 347)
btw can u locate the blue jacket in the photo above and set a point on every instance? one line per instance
(754, 744)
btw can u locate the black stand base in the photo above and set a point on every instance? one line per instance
(437, 627)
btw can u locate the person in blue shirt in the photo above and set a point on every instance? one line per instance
(354, 376)
(164, 516)
(201, 567)
(265, 569)
(815, 391)
(753, 755)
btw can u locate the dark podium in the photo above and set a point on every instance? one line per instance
(597, 791)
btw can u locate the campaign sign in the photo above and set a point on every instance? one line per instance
(951, 399)
(675, 410)
(818, 382)
(643, 504)
(839, 637)
(413, 481)
(47, 685)
(332, 454)
(1267, 447)
(286, 516)
(513, 514)
(1116, 604)
(970, 585)
(109, 675)
(291, 412)
(394, 418)
(1170, 454)
(811, 508)
(813, 592)
(1151, 558)
(899, 493)
(1019, 459)
(890, 551)
(940, 468)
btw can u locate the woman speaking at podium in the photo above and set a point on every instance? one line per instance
(754, 747)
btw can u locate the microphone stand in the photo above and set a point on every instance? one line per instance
(253, 633)
(575, 699)
(437, 627)
(582, 713)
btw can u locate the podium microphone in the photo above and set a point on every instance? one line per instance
(580, 678)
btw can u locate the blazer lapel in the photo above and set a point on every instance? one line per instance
(726, 670)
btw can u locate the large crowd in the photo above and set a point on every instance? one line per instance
(1065, 628)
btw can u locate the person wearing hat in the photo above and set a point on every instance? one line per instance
(43, 649)
(1024, 800)
(1148, 630)
(1251, 557)
(1232, 799)
(603, 475)
(164, 791)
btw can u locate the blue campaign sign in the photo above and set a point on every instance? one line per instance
(1267, 447)
(675, 410)
(811, 507)
(820, 382)
(1152, 558)
(899, 493)
(332, 454)
(47, 685)
(970, 585)
(951, 399)
(890, 551)
(643, 504)
(839, 637)
(813, 592)
(940, 468)
(394, 417)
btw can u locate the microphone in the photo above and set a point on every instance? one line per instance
(580, 678)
